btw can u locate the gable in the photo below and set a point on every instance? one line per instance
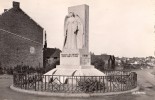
(15, 20)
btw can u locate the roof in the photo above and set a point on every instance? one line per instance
(51, 52)
(17, 7)
(56, 53)
(48, 52)
(105, 57)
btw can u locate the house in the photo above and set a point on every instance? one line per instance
(21, 39)
(51, 56)
(107, 62)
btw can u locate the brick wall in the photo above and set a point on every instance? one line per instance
(14, 50)
(19, 33)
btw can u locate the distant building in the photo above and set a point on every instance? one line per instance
(21, 39)
(50, 56)
(109, 61)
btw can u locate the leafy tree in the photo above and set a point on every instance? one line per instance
(1, 69)
(97, 62)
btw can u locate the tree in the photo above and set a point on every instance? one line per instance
(97, 62)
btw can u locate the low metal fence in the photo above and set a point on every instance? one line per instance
(75, 84)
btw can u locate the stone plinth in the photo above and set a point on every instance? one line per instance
(75, 71)
(75, 58)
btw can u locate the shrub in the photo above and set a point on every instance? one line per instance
(91, 86)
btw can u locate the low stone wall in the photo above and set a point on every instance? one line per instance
(78, 95)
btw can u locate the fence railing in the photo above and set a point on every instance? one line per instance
(75, 84)
(117, 72)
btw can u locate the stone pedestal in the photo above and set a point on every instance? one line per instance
(75, 57)
(77, 63)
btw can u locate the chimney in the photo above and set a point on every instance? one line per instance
(16, 4)
(5, 10)
(45, 45)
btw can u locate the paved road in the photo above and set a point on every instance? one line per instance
(147, 83)
(145, 80)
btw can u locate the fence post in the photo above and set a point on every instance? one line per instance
(136, 79)
(35, 82)
(121, 82)
(21, 81)
(45, 81)
(110, 83)
(28, 81)
(13, 79)
(72, 83)
(25, 81)
(51, 82)
(104, 84)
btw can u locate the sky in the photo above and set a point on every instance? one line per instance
(123, 28)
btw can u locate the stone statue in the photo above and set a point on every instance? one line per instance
(73, 32)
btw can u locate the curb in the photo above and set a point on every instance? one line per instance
(78, 95)
(6, 77)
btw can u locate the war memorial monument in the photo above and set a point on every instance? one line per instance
(75, 76)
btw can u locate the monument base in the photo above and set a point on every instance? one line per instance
(75, 71)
